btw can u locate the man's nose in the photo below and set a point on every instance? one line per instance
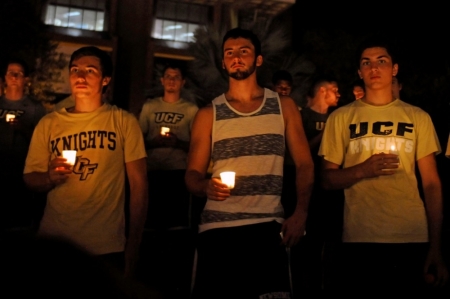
(81, 75)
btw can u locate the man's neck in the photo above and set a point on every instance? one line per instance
(318, 106)
(13, 94)
(85, 105)
(246, 90)
(378, 97)
(171, 97)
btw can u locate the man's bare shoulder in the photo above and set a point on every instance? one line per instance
(206, 111)
(288, 105)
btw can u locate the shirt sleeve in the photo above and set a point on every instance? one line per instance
(39, 155)
(333, 144)
(427, 140)
(134, 147)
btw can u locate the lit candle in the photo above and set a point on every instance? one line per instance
(165, 130)
(10, 117)
(227, 178)
(71, 156)
(393, 150)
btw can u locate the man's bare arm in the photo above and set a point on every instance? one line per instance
(199, 158)
(294, 226)
(137, 177)
(335, 177)
(58, 171)
(432, 190)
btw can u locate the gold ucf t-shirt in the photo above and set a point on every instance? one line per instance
(384, 209)
(88, 209)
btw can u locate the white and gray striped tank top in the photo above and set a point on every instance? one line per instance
(252, 145)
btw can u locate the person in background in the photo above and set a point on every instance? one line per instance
(282, 82)
(169, 200)
(17, 211)
(358, 89)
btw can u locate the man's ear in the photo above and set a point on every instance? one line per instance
(259, 60)
(359, 73)
(106, 81)
(223, 64)
(395, 69)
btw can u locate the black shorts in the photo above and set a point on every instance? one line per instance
(242, 262)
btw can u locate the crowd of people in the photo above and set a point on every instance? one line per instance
(322, 201)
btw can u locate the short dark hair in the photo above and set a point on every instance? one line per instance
(282, 75)
(16, 60)
(377, 41)
(318, 81)
(174, 66)
(105, 60)
(247, 34)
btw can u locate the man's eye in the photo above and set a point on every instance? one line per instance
(74, 70)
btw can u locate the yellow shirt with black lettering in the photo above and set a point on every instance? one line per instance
(384, 209)
(88, 209)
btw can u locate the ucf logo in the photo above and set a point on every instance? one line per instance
(168, 117)
(83, 167)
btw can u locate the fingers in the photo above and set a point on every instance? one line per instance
(291, 232)
(388, 165)
(58, 170)
(440, 277)
(216, 190)
(381, 164)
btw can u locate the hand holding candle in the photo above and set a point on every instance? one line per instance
(394, 151)
(58, 171)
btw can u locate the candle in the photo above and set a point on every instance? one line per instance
(10, 117)
(393, 150)
(165, 130)
(227, 178)
(71, 156)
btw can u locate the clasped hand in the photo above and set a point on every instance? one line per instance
(380, 164)
(59, 170)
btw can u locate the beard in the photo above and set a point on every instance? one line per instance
(242, 75)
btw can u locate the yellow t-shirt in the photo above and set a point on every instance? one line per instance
(384, 209)
(88, 209)
(177, 116)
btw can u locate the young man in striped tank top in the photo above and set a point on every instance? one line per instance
(245, 130)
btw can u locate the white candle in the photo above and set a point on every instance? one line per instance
(227, 178)
(164, 130)
(10, 117)
(393, 150)
(71, 156)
